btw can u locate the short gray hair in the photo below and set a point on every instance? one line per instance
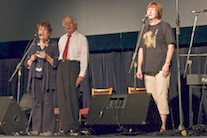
(74, 20)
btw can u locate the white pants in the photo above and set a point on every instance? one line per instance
(158, 87)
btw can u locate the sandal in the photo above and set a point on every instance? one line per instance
(162, 130)
(48, 133)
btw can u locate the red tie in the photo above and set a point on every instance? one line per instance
(65, 53)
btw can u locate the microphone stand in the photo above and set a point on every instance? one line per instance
(181, 126)
(135, 52)
(191, 43)
(19, 68)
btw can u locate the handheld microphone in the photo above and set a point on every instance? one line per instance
(199, 11)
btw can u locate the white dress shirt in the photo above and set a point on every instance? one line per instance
(77, 50)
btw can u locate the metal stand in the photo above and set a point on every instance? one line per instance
(135, 78)
(135, 52)
(191, 43)
(194, 83)
(19, 67)
(181, 126)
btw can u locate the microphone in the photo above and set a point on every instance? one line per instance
(40, 34)
(36, 35)
(198, 11)
(145, 17)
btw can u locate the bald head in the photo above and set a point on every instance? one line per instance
(70, 24)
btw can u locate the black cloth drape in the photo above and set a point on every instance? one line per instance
(110, 69)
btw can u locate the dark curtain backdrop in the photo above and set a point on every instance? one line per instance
(110, 69)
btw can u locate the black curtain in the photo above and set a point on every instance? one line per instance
(110, 69)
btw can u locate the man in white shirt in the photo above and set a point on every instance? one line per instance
(70, 73)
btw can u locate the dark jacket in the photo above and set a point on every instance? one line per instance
(49, 71)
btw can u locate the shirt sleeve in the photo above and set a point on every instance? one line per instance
(84, 57)
(56, 55)
(170, 39)
(29, 54)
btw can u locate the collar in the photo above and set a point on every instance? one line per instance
(38, 43)
(73, 34)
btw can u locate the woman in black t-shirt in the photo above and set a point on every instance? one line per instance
(154, 59)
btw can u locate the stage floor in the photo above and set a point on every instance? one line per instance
(195, 131)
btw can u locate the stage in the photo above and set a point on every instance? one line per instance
(195, 131)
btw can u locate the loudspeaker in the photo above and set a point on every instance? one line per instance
(12, 118)
(128, 109)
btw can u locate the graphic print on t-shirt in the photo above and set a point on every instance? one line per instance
(150, 39)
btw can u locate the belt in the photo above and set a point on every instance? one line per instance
(151, 73)
(66, 60)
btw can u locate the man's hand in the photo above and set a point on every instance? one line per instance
(78, 81)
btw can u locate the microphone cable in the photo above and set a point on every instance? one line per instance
(101, 113)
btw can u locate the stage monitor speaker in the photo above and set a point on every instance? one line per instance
(12, 118)
(128, 109)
